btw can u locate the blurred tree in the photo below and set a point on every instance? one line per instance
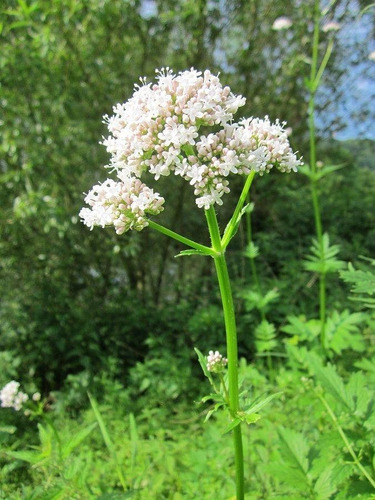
(70, 298)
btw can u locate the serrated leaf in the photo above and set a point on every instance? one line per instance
(343, 333)
(366, 364)
(358, 392)
(323, 259)
(251, 251)
(265, 331)
(324, 487)
(330, 380)
(303, 329)
(253, 299)
(363, 283)
(186, 253)
(294, 450)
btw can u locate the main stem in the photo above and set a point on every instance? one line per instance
(231, 340)
(314, 187)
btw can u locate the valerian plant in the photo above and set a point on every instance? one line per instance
(184, 125)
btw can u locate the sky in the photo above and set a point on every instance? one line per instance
(358, 85)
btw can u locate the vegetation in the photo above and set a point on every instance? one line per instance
(104, 326)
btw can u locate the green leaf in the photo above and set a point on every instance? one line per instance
(232, 425)
(103, 428)
(358, 392)
(328, 169)
(330, 380)
(251, 251)
(253, 299)
(107, 439)
(343, 333)
(322, 259)
(213, 410)
(363, 281)
(294, 450)
(301, 328)
(203, 363)
(8, 429)
(213, 397)
(73, 442)
(320, 172)
(185, 253)
(250, 418)
(324, 487)
(366, 364)
(260, 402)
(32, 457)
(265, 336)
(233, 225)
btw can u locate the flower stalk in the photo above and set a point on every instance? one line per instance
(231, 340)
(313, 84)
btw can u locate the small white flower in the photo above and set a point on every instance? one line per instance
(12, 397)
(36, 396)
(331, 26)
(216, 362)
(282, 23)
(371, 56)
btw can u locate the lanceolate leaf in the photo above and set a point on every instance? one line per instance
(186, 253)
(256, 405)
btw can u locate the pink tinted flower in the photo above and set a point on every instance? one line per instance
(216, 362)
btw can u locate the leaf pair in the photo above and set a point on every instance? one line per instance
(322, 259)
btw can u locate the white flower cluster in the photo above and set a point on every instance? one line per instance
(165, 128)
(215, 362)
(123, 204)
(252, 144)
(12, 397)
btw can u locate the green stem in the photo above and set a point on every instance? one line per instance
(226, 394)
(233, 223)
(231, 339)
(186, 241)
(345, 439)
(315, 77)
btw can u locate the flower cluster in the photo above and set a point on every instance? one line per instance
(12, 397)
(182, 124)
(215, 362)
(122, 204)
